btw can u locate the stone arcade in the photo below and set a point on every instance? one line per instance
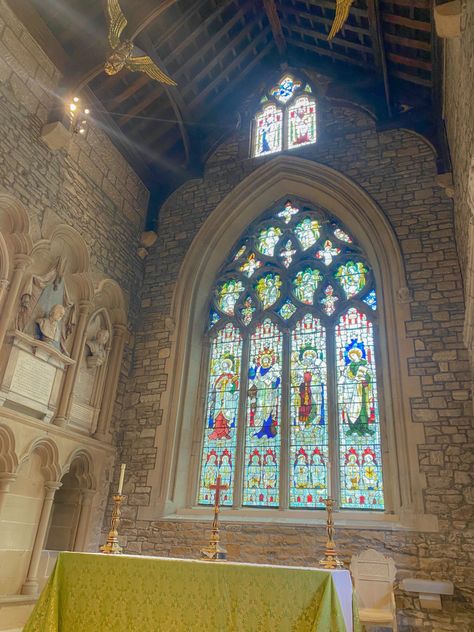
(264, 273)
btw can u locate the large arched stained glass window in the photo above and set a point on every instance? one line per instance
(287, 118)
(292, 414)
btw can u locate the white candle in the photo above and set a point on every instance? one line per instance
(328, 479)
(122, 475)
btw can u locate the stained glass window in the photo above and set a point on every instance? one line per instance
(309, 438)
(269, 125)
(220, 436)
(287, 118)
(302, 122)
(294, 315)
(262, 445)
(360, 456)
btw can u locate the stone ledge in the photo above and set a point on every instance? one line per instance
(426, 523)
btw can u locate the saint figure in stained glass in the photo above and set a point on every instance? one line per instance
(307, 232)
(302, 122)
(328, 252)
(265, 379)
(340, 234)
(228, 294)
(287, 254)
(352, 277)
(224, 402)
(247, 310)
(268, 239)
(268, 289)
(305, 284)
(358, 398)
(268, 136)
(251, 264)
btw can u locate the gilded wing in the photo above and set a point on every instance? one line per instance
(145, 64)
(342, 12)
(116, 22)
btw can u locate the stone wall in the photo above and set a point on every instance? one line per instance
(398, 170)
(89, 185)
(459, 117)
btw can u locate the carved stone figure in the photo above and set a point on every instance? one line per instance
(98, 349)
(48, 327)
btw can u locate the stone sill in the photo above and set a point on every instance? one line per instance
(18, 600)
(343, 519)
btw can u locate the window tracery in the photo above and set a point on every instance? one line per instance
(292, 386)
(287, 118)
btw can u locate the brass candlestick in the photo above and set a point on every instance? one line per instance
(112, 546)
(330, 559)
(215, 552)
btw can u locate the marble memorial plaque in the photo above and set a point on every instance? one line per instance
(33, 378)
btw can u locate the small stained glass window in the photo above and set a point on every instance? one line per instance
(269, 131)
(292, 368)
(286, 119)
(302, 122)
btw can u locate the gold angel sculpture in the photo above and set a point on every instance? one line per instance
(342, 13)
(121, 53)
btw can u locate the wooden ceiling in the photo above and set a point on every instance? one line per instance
(220, 52)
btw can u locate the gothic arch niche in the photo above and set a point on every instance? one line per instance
(43, 322)
(179, 438)
(71, 507)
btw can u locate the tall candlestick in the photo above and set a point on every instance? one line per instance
(330, 559)
(122, 475)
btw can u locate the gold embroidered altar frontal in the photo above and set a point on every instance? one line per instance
(96, 593)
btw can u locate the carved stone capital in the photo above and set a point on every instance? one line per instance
(403, 295)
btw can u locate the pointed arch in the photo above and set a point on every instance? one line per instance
(49, 454)
(8, 456)
(321, 185)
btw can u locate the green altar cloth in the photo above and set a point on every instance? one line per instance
(97, 593)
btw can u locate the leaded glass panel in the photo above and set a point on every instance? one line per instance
(302, 122)
(220, 434)
(303, 293)
(269, 132)
(262, 445)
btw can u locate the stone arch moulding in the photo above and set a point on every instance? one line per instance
(109, 295)
(87, 476)
(324, 186)
(15, 225)
(49, 454)
(8, 456)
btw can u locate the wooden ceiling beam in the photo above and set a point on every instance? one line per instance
(239, 15)
(330, 4)
(141, 105)
(319, 19)
(409, 61)
(408, 42)
(327, 53)
(174, 95)
(275, 24)
(220, 56)
(336, 40)
(213, 84)
(399, 20)
(181, 21)
(134, 87)
(427, 83)
(416, 4)
(376, 35)
(245, 71)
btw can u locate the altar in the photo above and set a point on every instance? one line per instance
(97, 593)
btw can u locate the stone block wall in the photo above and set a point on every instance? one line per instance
(398, 170)
(89, 186)
(459, 118)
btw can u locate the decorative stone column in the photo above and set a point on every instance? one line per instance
(87, 497)
(6, 479)
(21, 262)
(65, 402)
(4, 285)
(110, 388)
(30, 587)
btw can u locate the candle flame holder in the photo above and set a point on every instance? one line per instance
(112, 546)
(330, 559)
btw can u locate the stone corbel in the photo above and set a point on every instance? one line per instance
(111, 382)
(20, 264)
(447, 19)
(65, 402)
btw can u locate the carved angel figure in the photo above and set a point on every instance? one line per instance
(121, 54)
(342, 13)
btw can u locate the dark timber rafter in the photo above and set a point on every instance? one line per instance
(273, 18)
(378, 48)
